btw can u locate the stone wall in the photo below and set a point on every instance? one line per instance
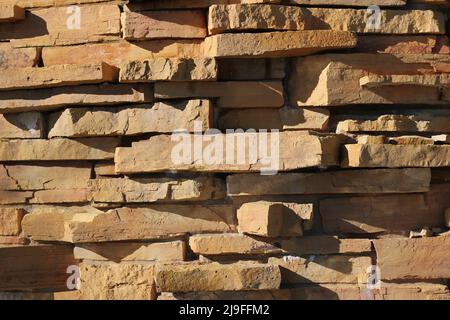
(122, 175)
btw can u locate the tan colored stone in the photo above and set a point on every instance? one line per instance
(230, 94)
(169, 69)
(55, 76)
(127, 190)
(62, 196)
(131, 251)
(421, 258)
(182, 4)
(57, 149)
(53, 98)
(230, 244)
(12, 241)
(165, 117)
(217, 277)
(394, 156)
(394, 213)
(163, 24)
(10, 219)
(323, 269)
(49, 27)
(441, 138)
(323, 244)
(17, 58)
(226, 18)
(354, 181)
(114, 53)
(339, 79)
(296, 150)
(403, 44)
(105, 169)
(88, 225)
(283, 119)
(368, 139)
(376, 81)
(9, 12)
(112, 281)
(252, 69)
(412, 291)
(44, 176)
(21, 126)
(351, 3)
(35, 267)
(15, 197)
(416, 140)
(273, 219)
(434, 121)
(277, 44)
(51, 3)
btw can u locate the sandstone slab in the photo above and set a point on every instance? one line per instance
(9, 12)
(388, 213)
(55, 76)
(17, 58)
(351, 3)
(128, 190)
(251, 69)
(217, 277)
(131, 251)
(169, 69)
(395, 156)
(273, 219)
(57, 149)
(230, 94)
(277, 44)
(21, 126)
(117, 282)
(163, 24)
(296, 150)
(164, 117)
(10, 219)
(421, 258)
(87, 225)
(324, 245)
(53, 98)
(329, 182)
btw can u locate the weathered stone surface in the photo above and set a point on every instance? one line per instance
(412, 291)
(376, 81)
(105, 169)
(225, 18)
(182, 4)
(57, 149)
(17, 58)
(21, 126)
(10, 219)
(403, 44)
(405, 140)
(394, 156)
(217, 277)
(55, 76)
(434, 121)
(283, 119)
(441, 138)
(9, 12)
(339, 79)
(131, 251)
(114, 53)
(57, 26)
(323, 269)
(251, 69)
(165, 117)
(376, 214)
(52, 98)
(296, 150)
(81, 225)
(35, 267)
(169, 69)
(273, 219)
(368, 139)
(277, 44)
(12, 240)
(230, 244)
(355, 181)
(163, 24)
(51, 3)
(421, 258)
(112, 281)
(113, 190)
(15, 197)
(351, 3)
(44, 176)
(324, 244)
(230, 94)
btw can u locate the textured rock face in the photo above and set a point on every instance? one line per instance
(214, 276)
(224, 149)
